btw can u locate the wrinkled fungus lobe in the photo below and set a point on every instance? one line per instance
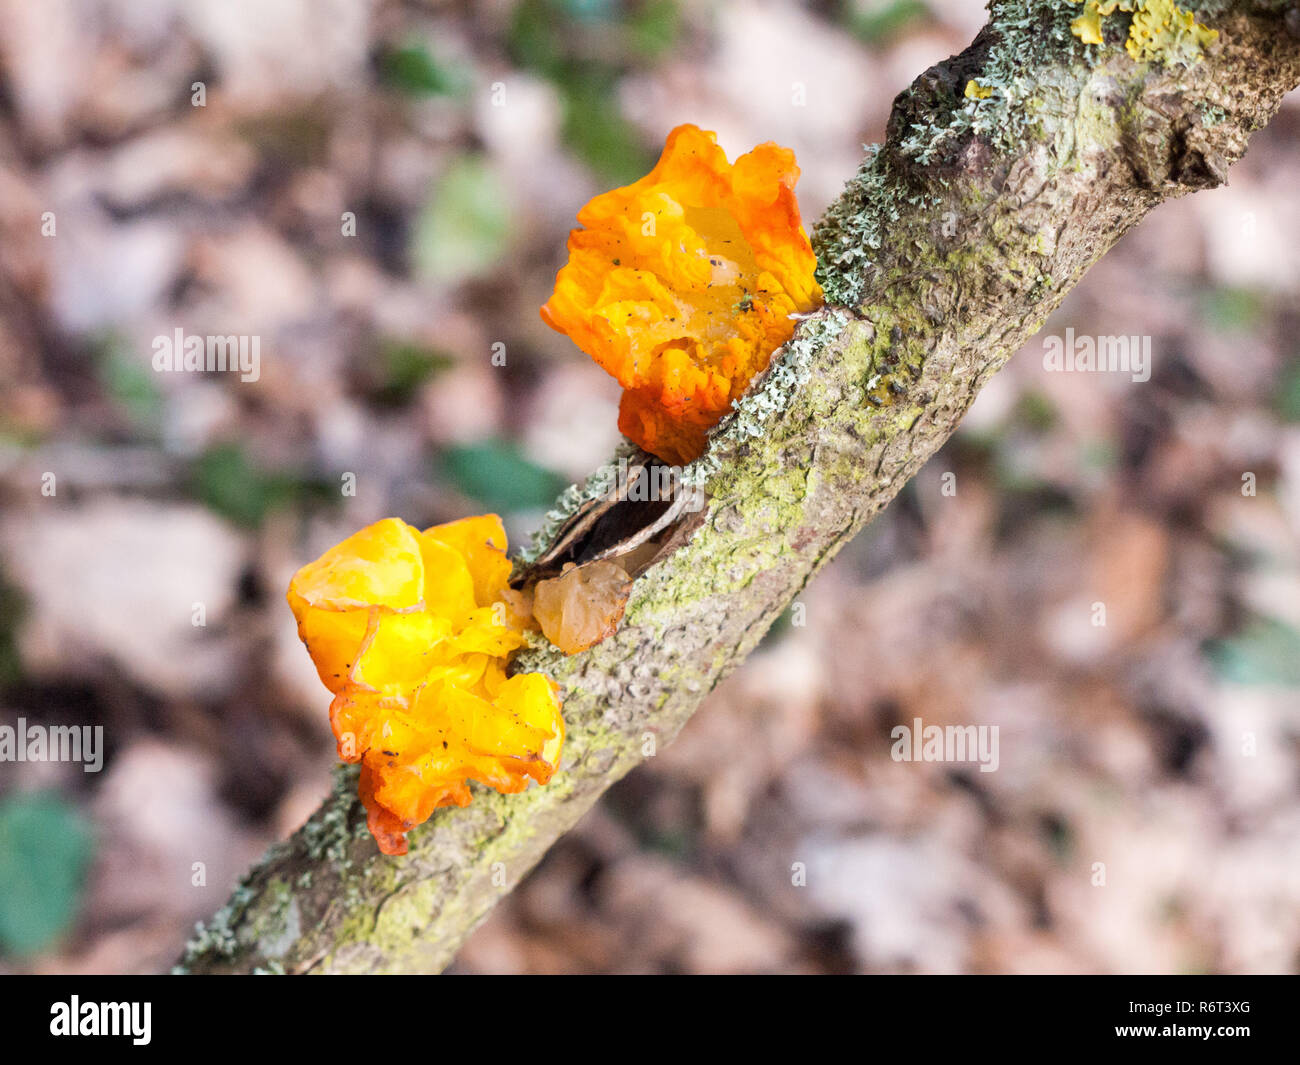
(683, 284)
(412, 632)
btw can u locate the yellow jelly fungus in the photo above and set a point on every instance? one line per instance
(412, 632)
(682, 285)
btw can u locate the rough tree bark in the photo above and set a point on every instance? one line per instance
(943, 256)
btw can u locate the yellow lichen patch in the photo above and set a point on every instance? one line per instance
(583, 605)
(412, 632)
(1087, 27)
(976, 91)
(683, 284)
(1159, 31)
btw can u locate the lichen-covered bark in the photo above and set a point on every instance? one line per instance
(943, 256)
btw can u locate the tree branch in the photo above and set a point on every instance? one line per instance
(943, 256)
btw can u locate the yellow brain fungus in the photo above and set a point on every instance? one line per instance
(1160, 31)
(582, 606)
(412, 632)
(682, 285)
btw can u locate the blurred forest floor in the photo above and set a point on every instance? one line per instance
(463, 138)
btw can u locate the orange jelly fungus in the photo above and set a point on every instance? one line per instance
(412, 632)
(683, 284)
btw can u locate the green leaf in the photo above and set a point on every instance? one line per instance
(654, 28)
(498, 476)
(596, 131)
(534, 39)
(1267, 651)
(549, 36)
(404, 368)
(412, 69)
(1287, 399)
(1233, 310)
(464, 229)
(45, 846)
(1036, 412)
(130, 383)
(879, 21)
(224, 480)
(1099, 454)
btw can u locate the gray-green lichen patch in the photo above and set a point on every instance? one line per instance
(598, 485)
(329, 834)
(1211, 114)
(406, 900)
(268, 917)
(216, 938)
(752, 413)
(853, 229)
(283, 924)
(1206, 9)
(1026, 46)
(1027, 43)
(1036, 88)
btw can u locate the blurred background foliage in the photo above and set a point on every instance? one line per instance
(380, 192)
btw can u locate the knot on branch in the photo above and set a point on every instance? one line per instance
(1164, 140)
(931, 101)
